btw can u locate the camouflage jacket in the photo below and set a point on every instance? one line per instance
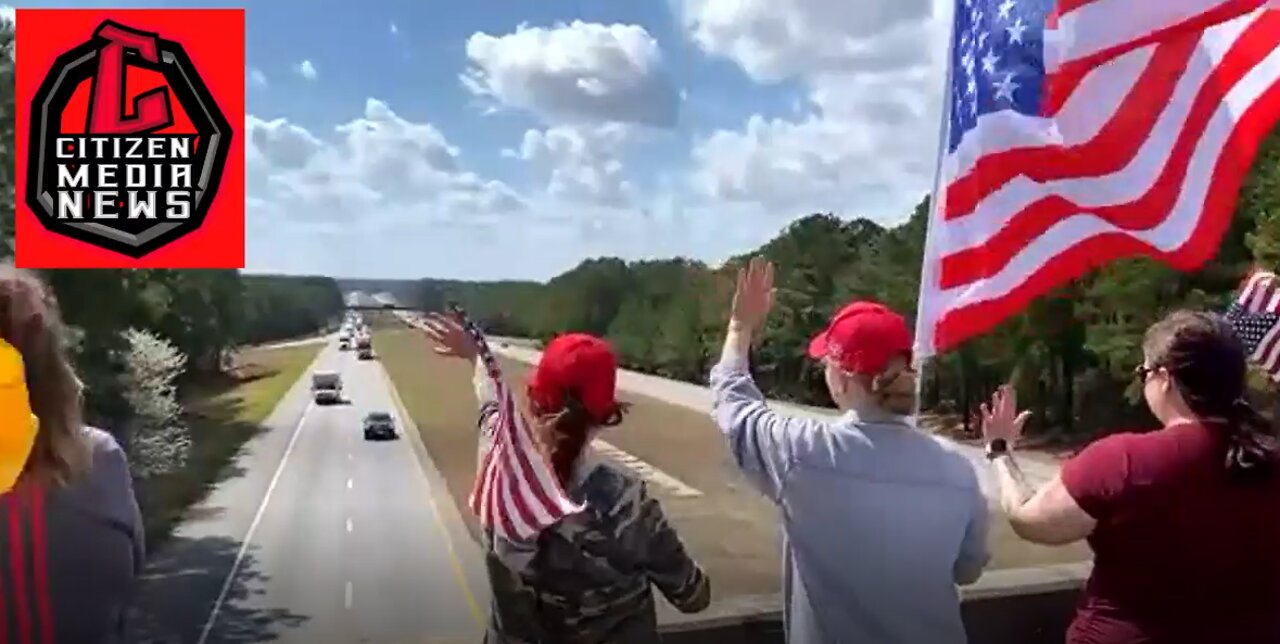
(586, 580)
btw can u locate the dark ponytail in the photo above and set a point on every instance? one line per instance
(564, 434)
(1252, 445)
(1208, 364)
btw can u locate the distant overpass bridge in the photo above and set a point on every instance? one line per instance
(386, 306)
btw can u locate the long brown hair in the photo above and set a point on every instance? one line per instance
(29, 320)
(564, 433)
(894, 388)
(1207, 362)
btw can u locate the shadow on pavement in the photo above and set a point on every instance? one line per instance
(181, 584)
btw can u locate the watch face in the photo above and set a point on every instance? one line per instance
(998, 446)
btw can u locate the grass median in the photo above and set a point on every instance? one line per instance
(223, 413)
(729, 527)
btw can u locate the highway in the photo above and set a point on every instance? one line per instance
(320, 536)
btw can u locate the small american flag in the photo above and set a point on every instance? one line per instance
(516, 493)
(1254, 314)
(1079, 132)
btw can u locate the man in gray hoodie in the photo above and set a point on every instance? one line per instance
(880, 520)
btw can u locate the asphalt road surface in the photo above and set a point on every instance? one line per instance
(320, 536)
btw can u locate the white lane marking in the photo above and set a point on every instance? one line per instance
(653, 475)
(253, 526)
(350, 482)
(348, 597)
(406, 421)
(348, 524)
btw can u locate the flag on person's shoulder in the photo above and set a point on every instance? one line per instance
(516, 494)
(1080, 132)
(1254, 313)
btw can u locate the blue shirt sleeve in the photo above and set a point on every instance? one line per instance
(765, 445)
(974, 553)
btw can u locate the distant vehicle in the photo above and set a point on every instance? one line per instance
(326, 387)
(344, 344)
(379, 425)
(365, 346)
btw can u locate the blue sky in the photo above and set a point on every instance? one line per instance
(513, 139)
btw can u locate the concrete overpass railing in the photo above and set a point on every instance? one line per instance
(1015, 606)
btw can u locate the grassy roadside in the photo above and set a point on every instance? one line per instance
(222, 414)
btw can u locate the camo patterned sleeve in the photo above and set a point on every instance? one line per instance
(665, 559)
(487, 396)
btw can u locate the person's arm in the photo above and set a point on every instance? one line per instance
(487, 397)
(665, 560)
(974, 551)
(765, 445)
(1049, 516)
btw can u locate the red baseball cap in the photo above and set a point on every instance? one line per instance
(580, 364)
(863, 337)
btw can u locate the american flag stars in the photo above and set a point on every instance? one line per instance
(996, 60)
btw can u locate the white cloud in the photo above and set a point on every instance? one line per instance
(394, 29)
(581, 163)
(256, 77)
(773, 39)
(383, 194)
(863, 142)
(307, 70)
(376, 163)
(579, 73)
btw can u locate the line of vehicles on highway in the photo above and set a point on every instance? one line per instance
(326, 385)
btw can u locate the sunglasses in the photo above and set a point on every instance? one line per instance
(1142, 372)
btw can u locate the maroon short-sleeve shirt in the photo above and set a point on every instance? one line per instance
(1182, 553)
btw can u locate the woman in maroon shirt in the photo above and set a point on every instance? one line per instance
(1184, 522)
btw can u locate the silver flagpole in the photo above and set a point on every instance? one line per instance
(926, 270)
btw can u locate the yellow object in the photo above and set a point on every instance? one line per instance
(17, 423)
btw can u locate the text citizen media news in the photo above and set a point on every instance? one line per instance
(125, 175)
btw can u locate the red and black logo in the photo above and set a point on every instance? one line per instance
(127, 145)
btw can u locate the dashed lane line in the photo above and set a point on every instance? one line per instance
(667, 483)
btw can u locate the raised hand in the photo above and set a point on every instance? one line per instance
(753, 297)
(1001, 419)
(450, 338)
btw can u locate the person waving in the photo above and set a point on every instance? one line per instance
(881, 520)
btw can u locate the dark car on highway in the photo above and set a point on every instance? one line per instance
(379, 425)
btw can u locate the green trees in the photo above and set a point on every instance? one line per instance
(8, 118)
(1071, 354)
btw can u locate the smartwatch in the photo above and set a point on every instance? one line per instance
(996, 448)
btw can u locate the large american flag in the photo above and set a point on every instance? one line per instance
(1254, 313)
(516, 493)
(1079, 132)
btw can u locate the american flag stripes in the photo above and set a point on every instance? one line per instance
(1083, 131)
(516, 494)
(1254, 313)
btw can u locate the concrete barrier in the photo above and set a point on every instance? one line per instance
(1015, 606)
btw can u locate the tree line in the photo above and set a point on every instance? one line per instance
(1071, 354)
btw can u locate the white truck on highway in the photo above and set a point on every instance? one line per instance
(326, 387)
(364, 345)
